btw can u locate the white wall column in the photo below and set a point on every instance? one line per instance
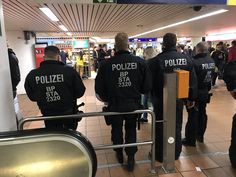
(7, 113)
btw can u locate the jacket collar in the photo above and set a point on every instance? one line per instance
(122, 52)
(169, 49)
(200, 55)
(49, 62)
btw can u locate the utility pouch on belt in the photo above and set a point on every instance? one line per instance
(108, 119)
(77, 111)
(209, 97)
(139, 116)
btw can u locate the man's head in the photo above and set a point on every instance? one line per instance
(233, 43)
(201, 47)
(51, 53)
(169, 41)
(121, 41)
(218, 47)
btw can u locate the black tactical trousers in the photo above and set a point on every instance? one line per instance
(232, 149)
(130, 124)
(61, 124)
(202, 118)
(159, 133)
(130, 132)
(191, 125)
(197, 122)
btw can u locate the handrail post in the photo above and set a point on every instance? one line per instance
(169, 126)
(93, 114)
(153, 151)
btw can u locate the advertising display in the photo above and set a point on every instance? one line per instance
(39, 53)
(80, 44)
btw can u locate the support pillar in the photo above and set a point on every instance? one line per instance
(7, 113)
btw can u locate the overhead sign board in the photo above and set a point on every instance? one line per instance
(197, 2)
(104, 1)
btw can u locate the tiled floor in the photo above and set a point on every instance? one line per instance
(209, 159)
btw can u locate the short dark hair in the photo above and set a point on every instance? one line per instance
(202, 47)
(121, 41)
(233, 42)
(169, 40)
(51, 51)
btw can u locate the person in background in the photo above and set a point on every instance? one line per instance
(210, 48)
(15, 79)
(15, 71)
(55, 87)
(95, 58)
(219, 58)
(197, 118)
(113, 52)
(120, 82)
(230, 80)
(166, 62)
(149, 53)
(232, 52)
(64, 56)
(101, 54)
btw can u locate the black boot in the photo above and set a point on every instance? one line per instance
(185, 142)
(130, 163)
(119, 156)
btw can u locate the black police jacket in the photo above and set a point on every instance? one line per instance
(55, 87)
(229, 75)
(122, 79)
(14, 69)
(166, 62)
(204, 67)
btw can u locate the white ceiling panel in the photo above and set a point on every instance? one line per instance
(105, 20)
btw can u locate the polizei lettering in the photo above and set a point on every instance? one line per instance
(124, 66)
(176, 62)
(55, 78)
(206, 66)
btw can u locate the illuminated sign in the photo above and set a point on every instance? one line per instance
(142, 39)
(197, 2)
(104, 1)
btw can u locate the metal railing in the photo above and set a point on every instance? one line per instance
(102, 147)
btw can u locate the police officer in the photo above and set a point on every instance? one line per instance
(55, 87)
(120, 82)
(230, 80)
(197, 121)
(168, 61)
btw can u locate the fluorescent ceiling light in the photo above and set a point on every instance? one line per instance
(69, 34)
(49, 13)
(63, 27)
(183, 22)
(219, 37)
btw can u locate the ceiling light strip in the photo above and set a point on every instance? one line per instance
(63, 28)
(49, 13)
(182, 22)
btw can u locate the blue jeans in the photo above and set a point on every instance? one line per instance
(145, 104)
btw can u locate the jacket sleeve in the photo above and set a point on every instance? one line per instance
(79, 87)
(29, 87)
(193, 85)
(100, 85)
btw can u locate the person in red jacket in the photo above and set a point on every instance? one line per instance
(232, 52)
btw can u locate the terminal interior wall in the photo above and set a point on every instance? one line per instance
(25, 54)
